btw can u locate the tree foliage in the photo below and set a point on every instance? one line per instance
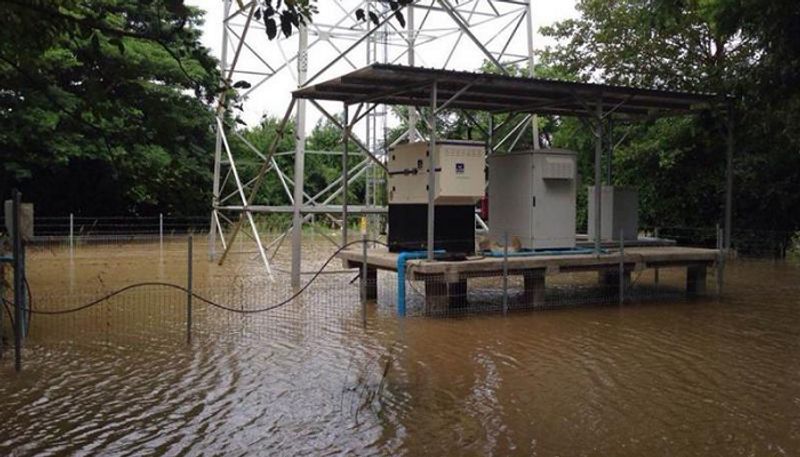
(112, 102)
(748, 49)
(105, 106)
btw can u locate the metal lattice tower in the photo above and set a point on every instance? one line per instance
(438, 34)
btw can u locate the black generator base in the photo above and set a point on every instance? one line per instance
(454, 230)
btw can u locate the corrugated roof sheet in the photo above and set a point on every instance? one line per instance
(411, 86)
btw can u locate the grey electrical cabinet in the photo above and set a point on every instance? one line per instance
(619, 213)
(532, 197)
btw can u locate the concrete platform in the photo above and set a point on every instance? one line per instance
(583, 241)
(446, 280)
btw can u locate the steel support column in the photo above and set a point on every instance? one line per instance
(346, 140)
(410, 29)
(531, 71)
(598, 179)
(610, 152)
(299, 159)
(729, 180)
(212, 230)
(432, 170)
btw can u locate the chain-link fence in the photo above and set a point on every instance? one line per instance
(239, 299)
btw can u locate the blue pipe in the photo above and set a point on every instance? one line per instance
(401, 275)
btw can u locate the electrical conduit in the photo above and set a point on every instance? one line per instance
(401, 276)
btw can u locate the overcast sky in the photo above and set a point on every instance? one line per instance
(272, 96)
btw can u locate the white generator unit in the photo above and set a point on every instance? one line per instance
(532, 197)
(460, 181)
(619, 213)
(460, 173)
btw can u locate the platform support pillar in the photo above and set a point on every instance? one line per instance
(371, 286)
(534, 285)
(696, 280)
(611, 278)
(457, 293)
(435, 296)
(442, 294)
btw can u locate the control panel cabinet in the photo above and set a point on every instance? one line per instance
(532, 197)
(460, 182)
(460, 173)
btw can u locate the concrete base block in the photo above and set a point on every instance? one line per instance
(534, 288)
(610, 278)
(696, 276)
(372, 283)
(441, 296)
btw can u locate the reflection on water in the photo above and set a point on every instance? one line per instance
(683, 378)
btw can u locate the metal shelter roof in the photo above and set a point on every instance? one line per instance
(411, 86)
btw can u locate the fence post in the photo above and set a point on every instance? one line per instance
(71, 234)
(364, 277)
(2, 293)
(161, 230)
(621, 267)
(18, 282)
(655, 233)
(505, 272)
(189, 293)
(720, 261)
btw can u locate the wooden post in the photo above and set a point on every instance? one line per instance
(621, 267)
(18, 278)
(655, 272)
(720, 261)
(505, 272)
(189, 293)
(71, 235)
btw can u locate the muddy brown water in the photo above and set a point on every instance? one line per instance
(663, 378)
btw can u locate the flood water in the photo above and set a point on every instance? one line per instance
(663, 378)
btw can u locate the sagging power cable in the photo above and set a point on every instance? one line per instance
(201, 298)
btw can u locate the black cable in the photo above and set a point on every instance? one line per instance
(203, 299)
(10, 316)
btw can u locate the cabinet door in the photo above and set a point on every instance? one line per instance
(510, 198)
(553, 184)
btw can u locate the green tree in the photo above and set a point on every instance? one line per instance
(713, 46)
(105, 106)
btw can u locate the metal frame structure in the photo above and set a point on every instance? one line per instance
(514, 96)
(491, 27)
